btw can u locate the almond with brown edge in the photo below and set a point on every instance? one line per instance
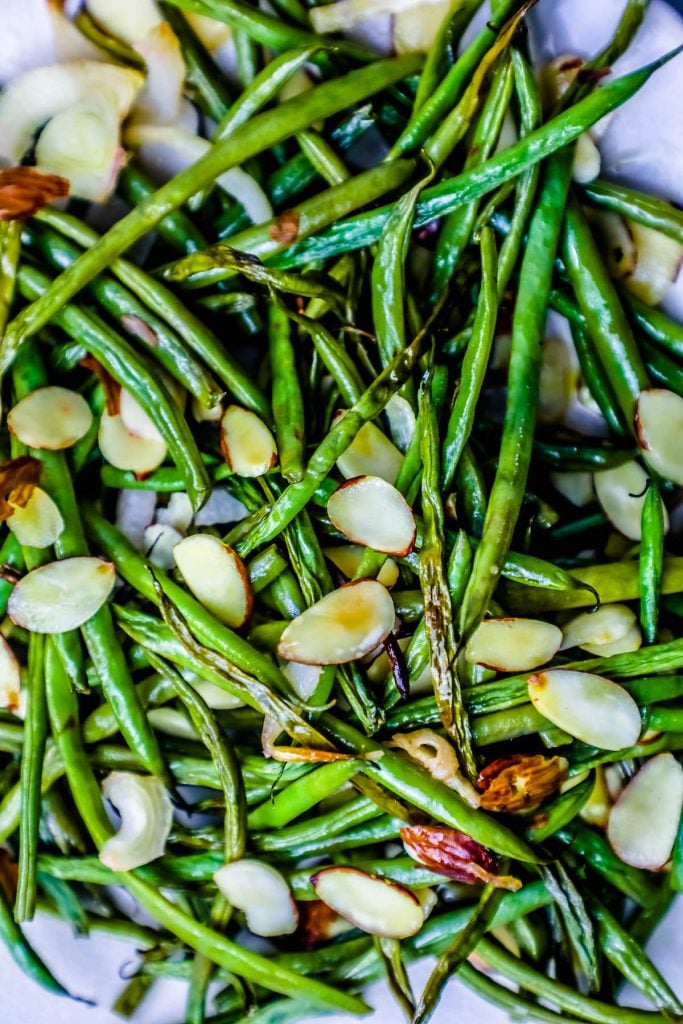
(644, 821)
(50, 418)
(513, 644)
(217, 577)
(344, 625)
(372, 512)
(62, 595)
(621, 492)
(347, 558)
(587, 706)
(372, 453)
(10, 677)
(659, 427)
(247, 444)
(124, 450)
(375, 905)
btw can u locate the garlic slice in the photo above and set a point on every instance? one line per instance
(50, 418)
(262, 893)
(587, 706)
(61, 595)
(146, 817)
(375, 905)
(644, 821)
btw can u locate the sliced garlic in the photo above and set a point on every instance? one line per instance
(160, 99)
(589, 707)
(375, 905)
(347, 558)
(644, 821)
(371, 453)
(621, 493)
(344, 625)
(659, 426)
(248, 446)
(39, 523)
(513, 645)
(371, 512)
(61, 595)
(128, 20)
(50, 418)
(124, 450)
(217, 577)
(146, 817)
(261, 893)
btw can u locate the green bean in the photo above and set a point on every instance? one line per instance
(35, 737)
(523, 383)
(131, 371)
(628, 202)
(657, 325)
(594, 848)
(593, 373)
(22, 953)
(600, 305)
(575, 458)
(322, 157)
(302, 795)
(176, 228)
(202, 74)
(450, 31)
(10, 247)
(651, 561)
(661, 369)
(288, 408)
(560, 812)
(11, 557)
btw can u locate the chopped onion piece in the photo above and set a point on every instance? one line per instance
(589, 707)
(659, 260)
(146, 817)
(513, 645)
(375, 905)
(608, 623)
(10, 677)
(50, 418)
(261, 893)
(370, 453)
(659, 425)
(178, 513)
(342, 626)
(371, 512)
(33, 98)
(347, 558)
(621, 492)
(39, 523)
(160, 99)
(127, 451)
(246, 442)
(217, 577)
(61, 595)
(128, 20)
(644, 821)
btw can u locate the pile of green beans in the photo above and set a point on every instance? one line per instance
(400, 292)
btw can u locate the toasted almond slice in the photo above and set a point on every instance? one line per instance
(342, 626)
(659, 260)
(139, 422)
(262, 893)
(375, 905)
(575, 487)
(126, 451)
(146, 817)
(659, 422)
(513, 645)
(371, 512)
(621, 492)
(217, 577)
(589, 707)
(39, 523)
(372, 453)
(609, 623)
(347, 558)
(10, 677)
(631, 641)
(61, 595)
(644, 821)
(248, 446)
(50, 418)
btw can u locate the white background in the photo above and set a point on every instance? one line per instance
(644, 145)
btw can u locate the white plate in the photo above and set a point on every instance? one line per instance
(643, 146)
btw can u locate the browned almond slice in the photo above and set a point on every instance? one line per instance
(50, 418)
(371, 452)
(372, 512)
(659, 425)
(644, 821)
(217, 577)
(124, 450)
(513, 645)
(375, 905)
(62, 595)
(248, 446)
(39, 522)
(621, 492)
(589, 707)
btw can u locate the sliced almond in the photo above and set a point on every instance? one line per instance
(347, 558)
(39, 523)
(375, 905)
(50, 418)
(248, 446)
(629, 642)
(61, 595)
(261, 893)
(659, 425)
(10, 677)
(609, 623)
(621, 492)
(135, 419)
(575, 487)
(589, 707)
(304, 678)
(124, 450)
(217, 577)
(370, 453)
(644, 821)
(416, 27)
(371, 512)
(342, 626)
(513, 645)
(659, 260)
